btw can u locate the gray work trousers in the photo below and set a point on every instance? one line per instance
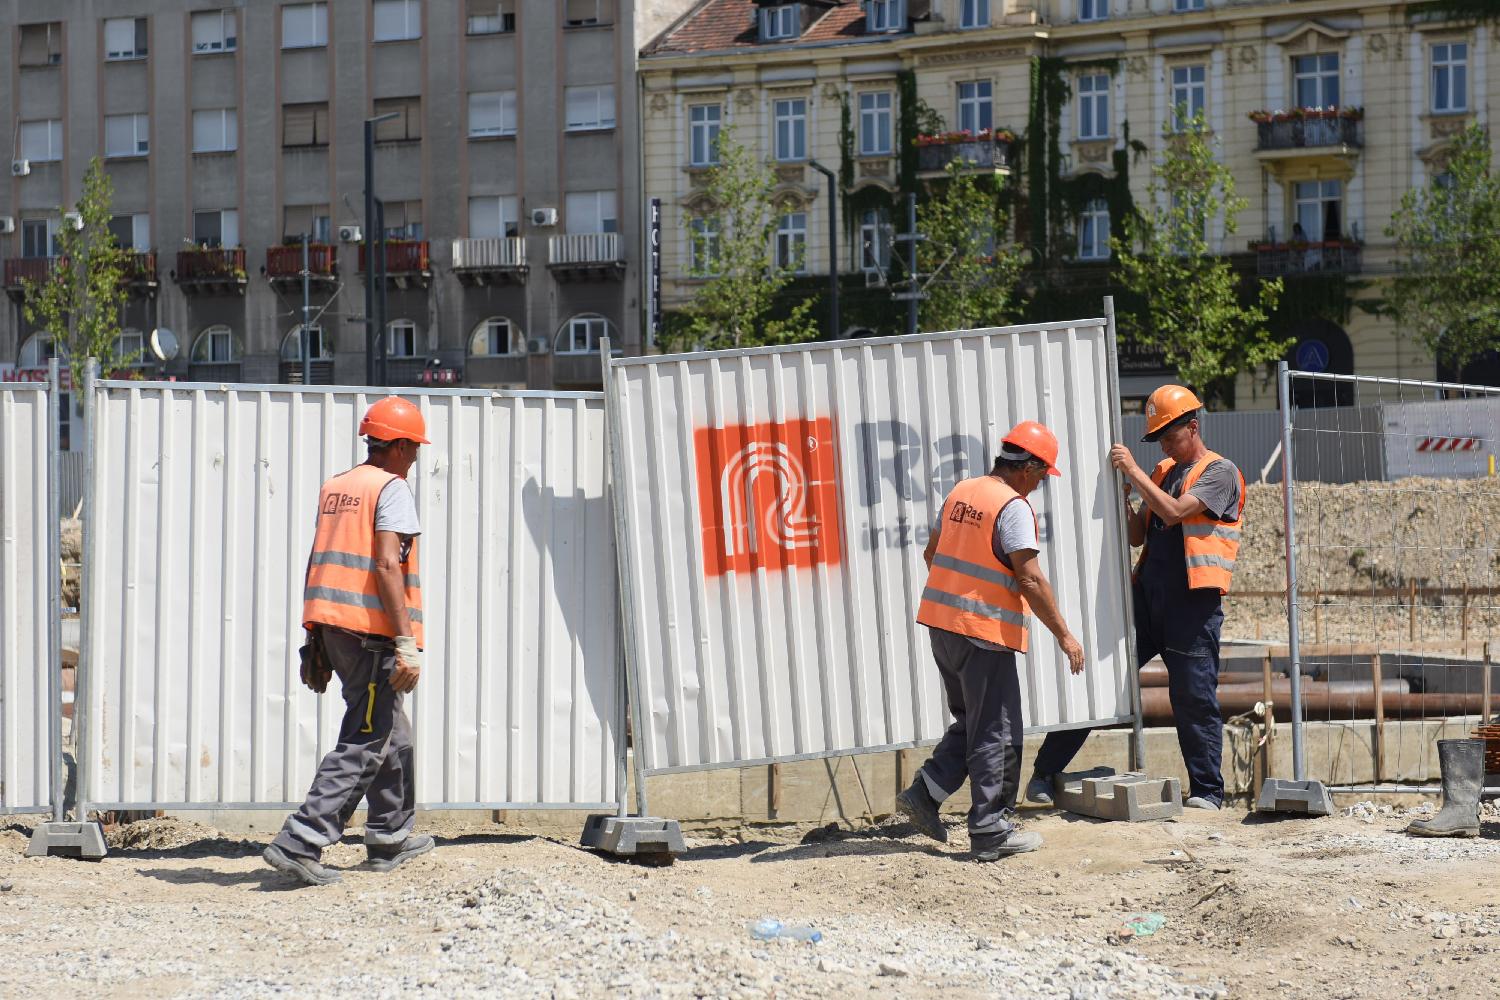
(371, 761)
(984, 742)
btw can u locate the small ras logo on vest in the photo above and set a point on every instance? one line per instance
(964, 514)
(340, 503)
(768, 495)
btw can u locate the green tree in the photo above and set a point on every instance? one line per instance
(731, 248)
(1447, 286)
(1192, 308)
(970, 271)
(81, 300)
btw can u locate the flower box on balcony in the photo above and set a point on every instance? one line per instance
(1308, 256)
(284, 263)
(984, 150)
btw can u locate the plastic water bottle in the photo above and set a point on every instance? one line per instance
(769, 929)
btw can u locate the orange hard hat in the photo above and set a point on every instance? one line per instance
(392, 419)
(1036, 440)
(1168, 404)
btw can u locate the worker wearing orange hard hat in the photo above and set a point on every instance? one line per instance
(1190, 527)
(984, 582)
(362, 609)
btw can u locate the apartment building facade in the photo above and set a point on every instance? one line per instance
(1326, 112)
(507, 170)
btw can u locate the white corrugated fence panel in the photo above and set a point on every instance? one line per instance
(1444, 439)
(25, 572)
(775, 504)
(203, 518)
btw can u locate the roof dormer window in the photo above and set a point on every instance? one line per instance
(883, 16)
(781, 22)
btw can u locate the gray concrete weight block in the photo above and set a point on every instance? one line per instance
(1309, 798)
(633, 836)
(1133, 797)
(72, 840)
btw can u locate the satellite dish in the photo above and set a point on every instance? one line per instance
(164, 344)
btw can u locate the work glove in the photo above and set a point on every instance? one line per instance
(408, 665)
(316, 673)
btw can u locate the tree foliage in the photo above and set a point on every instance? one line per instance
(1192, 310)
(970, 269)
(81, 300)
(1447, 288)
(737, 304)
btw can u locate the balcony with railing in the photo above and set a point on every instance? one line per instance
(140, 271)
(1308, 137)
(426, 372)
(19, 270)
(211, 271)
(983, 152)
(585, 255)
(490, 260)
(284, 263)
(1321, 257)
(407, 262)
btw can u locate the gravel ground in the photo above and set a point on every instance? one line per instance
(1340, 907)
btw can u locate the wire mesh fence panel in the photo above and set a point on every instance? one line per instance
(1393, 509)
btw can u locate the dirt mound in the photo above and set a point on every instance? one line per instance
(157, 834)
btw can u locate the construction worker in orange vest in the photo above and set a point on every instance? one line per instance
(1190, 527)
(983, 581)
(362, 608)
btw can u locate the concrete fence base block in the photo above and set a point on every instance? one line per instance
(1309, 798)
(70, 840)
(1133, 797)
(634, 836)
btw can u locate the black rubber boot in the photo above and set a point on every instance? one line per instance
(1463, 779)
(918, 806)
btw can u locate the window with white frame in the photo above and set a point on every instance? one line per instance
(875, 240)
(214, 31)
(885, 15)
(490, 17)
(582, 335)
(1315, 80)
(791, 241)
(304, 25)
(782, 22)
(215, 130)
(496, 337)
(586, 13)
(397, 20)
(703, 245)
(975, 107)
(790, 116)
(589, 107)
(1093, 106)
(1184, 6)
(39, 238)
(492, 112)
(875, 117)
(974, 14)
(39, 349)
(127, 135)
(217, 228)
(403, 220)
(41, 141)
(318, 346)
(591, 212)
(313, 220)
(493, 216)
(130, 349)
(1189, 90)
(401, 339)
(1093, 230)
(1450, 77)
(1319, 210)
(131, 232)
(124, 38)
(1093, 10)
(704, 121)
(216, 346)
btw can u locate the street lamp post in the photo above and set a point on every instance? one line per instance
(833, 248)
(372, 332)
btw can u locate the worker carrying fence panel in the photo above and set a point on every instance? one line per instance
(983, 581)
(362, 608)
(1190, 527)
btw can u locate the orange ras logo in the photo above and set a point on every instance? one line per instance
(768, 495)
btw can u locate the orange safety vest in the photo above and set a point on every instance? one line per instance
(1210, 546)
(341, 587)
(968, 590)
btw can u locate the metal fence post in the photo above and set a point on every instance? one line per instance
(54, 583)
(82, 737)
(1293, 634)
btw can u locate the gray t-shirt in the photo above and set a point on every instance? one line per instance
(396, 510)
(1015, 531)
(1218, 488)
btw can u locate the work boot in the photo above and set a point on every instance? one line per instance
(917, 805)
(994, 846)
(1462, 762)
(305, 870)
(1039, 790)
(384, 857)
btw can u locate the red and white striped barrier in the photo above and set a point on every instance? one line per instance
(1448, 444)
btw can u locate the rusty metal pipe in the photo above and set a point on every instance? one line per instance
(1320, 702)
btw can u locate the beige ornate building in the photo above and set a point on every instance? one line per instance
(1320, 186)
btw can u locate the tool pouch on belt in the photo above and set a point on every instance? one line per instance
(316, 670)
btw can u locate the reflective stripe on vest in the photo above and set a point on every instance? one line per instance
(968, 590)
(341, 584)
(1209, 546)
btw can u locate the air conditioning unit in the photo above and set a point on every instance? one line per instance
(20, 168)
(7, 224)
(73, 221)
(544, 216)
(350, 234)
(536, 345)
